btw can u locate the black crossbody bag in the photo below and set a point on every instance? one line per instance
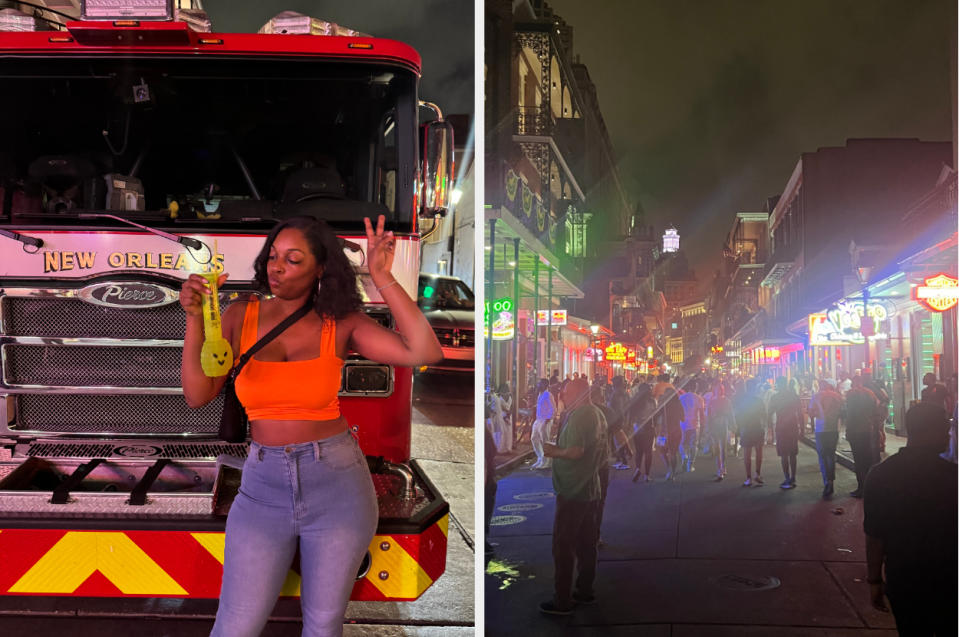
(233, 420)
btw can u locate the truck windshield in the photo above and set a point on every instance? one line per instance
(224, 141)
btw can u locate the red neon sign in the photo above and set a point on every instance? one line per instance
(939, 293)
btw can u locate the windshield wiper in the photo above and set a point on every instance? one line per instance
(189, 242)
(24, 239)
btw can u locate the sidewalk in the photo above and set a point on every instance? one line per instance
(693, 558)
(844, 454)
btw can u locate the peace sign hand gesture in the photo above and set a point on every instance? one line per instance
(380, 247)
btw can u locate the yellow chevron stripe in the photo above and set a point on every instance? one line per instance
(215, 544)
(78, 554)
(405, 578)
(444, 524)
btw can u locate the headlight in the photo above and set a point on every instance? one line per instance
(367, 379)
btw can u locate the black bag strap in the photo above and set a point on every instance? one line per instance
(269, 336)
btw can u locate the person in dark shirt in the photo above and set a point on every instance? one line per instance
(863, 420)
(786, 408)
(910, 505)
(935, 392)
(640, 418)
(751, 420)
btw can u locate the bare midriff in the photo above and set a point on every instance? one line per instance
(275, 433)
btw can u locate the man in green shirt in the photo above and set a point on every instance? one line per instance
(577, 457)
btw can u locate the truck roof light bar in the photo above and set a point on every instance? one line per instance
(130, 33)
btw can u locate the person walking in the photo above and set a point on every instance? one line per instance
(862, 424)
(719, 419)
(910, 522)
(785, 409)
(640, 417)
(694, 411)
(616, 411)
(577, 457)
(671, 432)
(751, 420)
(545, 412)
(825, 407)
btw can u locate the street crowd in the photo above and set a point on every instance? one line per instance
(581, 430)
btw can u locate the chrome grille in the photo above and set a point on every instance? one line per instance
(72, 318)
(107, 450)
(124, 414)
(78, 366)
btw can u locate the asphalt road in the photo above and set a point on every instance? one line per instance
(692, 557)
(442, 442)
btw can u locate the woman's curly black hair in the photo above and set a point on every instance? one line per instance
(338, 294)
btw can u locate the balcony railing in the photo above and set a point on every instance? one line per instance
(534, 120)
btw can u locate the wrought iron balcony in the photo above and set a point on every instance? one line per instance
(534, 120)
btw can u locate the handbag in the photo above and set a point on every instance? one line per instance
(233, 420)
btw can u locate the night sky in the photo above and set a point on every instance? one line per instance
(710, 103)
(441, 30)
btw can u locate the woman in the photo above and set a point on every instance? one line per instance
(500, 403)
(305, 481)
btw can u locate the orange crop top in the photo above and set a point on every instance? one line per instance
(289, 390)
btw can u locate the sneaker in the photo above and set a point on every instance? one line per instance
(550, 608)
(747, 483)
(758, 479)
(621, 466)
(646, 477)
(856, 494)
(585, 600)
(719, 478)
(792, 481)
(786, 484)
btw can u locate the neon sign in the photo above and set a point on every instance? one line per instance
(843, 324)
(939, 293)
(504, 323)
(616, 352)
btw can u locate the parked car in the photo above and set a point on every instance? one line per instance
(449, 306)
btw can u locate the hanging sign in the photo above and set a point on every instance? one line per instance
(593, 355)
(504, 321)
(938, 293)
(555, 317)
(843, 324)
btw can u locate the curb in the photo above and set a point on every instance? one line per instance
(841, 458)
(508, 465)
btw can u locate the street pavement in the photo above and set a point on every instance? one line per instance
(692, 557)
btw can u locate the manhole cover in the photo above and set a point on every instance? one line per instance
(747, 582)
(536, 495)
(506, 520)
(525, 506)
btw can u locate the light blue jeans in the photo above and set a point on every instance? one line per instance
(318, 494)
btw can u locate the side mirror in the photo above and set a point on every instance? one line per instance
(437, 173)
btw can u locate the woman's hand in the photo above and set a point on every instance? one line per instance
(190, 292)
(379, 251)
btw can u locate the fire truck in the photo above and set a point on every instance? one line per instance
(138, 148)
